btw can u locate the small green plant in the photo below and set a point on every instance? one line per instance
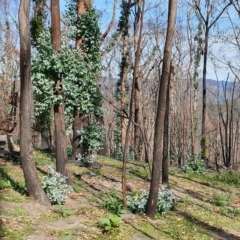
(137, 202)
(69, 151)
(113, 205)
(110, 223)
(221, 200)
(5, 184)
(54, 184)
(230, 212)
(194, 164)
(64, 213)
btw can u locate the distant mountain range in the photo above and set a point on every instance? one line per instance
(215, 88)
(221, 84)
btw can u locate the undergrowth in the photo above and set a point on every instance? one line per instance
(229, 177)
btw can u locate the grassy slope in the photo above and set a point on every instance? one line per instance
(208, 208)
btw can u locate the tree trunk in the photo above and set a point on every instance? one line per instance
(79, 119)
(137, 45)
(159, 127)
(125, 133)
(165, 179)
(123, 78)
(29, 169)
(209, 7)
(59, 122)
(204, 144)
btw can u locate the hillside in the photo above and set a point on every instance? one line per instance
(208, 205)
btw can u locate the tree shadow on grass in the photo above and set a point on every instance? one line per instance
(218, 232)
(189, 192)
(202, 183)
(140, 230)
(17, 186)
(137, 173)
(207, 230)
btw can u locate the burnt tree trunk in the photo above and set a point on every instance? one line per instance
(137, 45)
(159, 126)
(29, 169)
(59, 122)
(79, 119)
(208, 25)
(165, 179)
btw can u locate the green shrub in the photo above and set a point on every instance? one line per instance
(137, 202)
(194, 164)
(110, 223)
(54, 184)
(113, 204)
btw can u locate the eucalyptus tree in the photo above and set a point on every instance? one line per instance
(59, 119)
(87, 37)
(79, 120)
(38, 20)
(32, 181)
(159, 125)
(140, 11)
(138, 31)
(122, 85)
(44, 122)
(210, 12)
(77, 67)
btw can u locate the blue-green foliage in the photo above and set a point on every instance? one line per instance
(54, 184)
(91, 137)
(78, 69)
(86, 27)
(137, 202)
(194, 164)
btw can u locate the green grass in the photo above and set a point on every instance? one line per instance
(229, 177)
(208, 209)
(221, 199)
(16, 232)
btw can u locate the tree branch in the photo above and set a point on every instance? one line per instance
(219, 15)
(112, 20)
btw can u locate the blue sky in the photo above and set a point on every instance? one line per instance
(106, 7)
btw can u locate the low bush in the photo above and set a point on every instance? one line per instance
(137, 202)
(194, 164)
(113, 204)
(54, 185)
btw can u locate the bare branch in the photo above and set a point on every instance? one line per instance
(112, 21)
(219, 15)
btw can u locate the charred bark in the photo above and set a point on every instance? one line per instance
(29, 169)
